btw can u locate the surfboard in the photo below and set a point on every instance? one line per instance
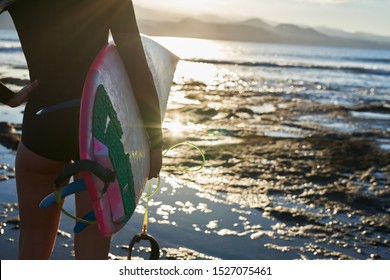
(112, 134)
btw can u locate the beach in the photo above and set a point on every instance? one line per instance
(297, 145)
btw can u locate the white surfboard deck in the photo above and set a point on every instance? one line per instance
(120, 125)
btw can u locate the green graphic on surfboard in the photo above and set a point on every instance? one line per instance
(107, 129)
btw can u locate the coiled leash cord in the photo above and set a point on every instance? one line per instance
(144, 235)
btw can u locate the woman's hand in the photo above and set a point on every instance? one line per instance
(22, 95)
(155, 162)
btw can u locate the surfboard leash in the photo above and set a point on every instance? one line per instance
(144, 235)
(107, 176)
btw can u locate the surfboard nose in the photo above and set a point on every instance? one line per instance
(162, 64)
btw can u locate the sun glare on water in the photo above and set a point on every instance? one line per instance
(189, 49)
(177, 128)
(200, 72)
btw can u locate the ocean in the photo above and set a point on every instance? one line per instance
(297, 144)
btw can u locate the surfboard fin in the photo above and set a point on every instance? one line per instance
(72, 188)
(80, 226)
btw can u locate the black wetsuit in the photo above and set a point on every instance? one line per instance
(5, 94)
(60, 39)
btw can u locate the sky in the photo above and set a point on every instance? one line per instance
(371, 16)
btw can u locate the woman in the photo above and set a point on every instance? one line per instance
(60, 39)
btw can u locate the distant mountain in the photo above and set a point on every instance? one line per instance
(210, 26)
(143, 13)
(355, 35)
(256, 30)
(194, 28)
(256, 22)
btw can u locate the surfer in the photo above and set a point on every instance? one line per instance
(60, 39)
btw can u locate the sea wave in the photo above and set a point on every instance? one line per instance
(10, 38)
(12, 49)
(369, 59)
(353, 69)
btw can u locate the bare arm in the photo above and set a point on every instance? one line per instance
(16, 99)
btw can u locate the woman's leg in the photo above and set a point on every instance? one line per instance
(35, 176)
(89, 244)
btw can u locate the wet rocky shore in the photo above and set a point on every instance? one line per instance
(319, 173)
